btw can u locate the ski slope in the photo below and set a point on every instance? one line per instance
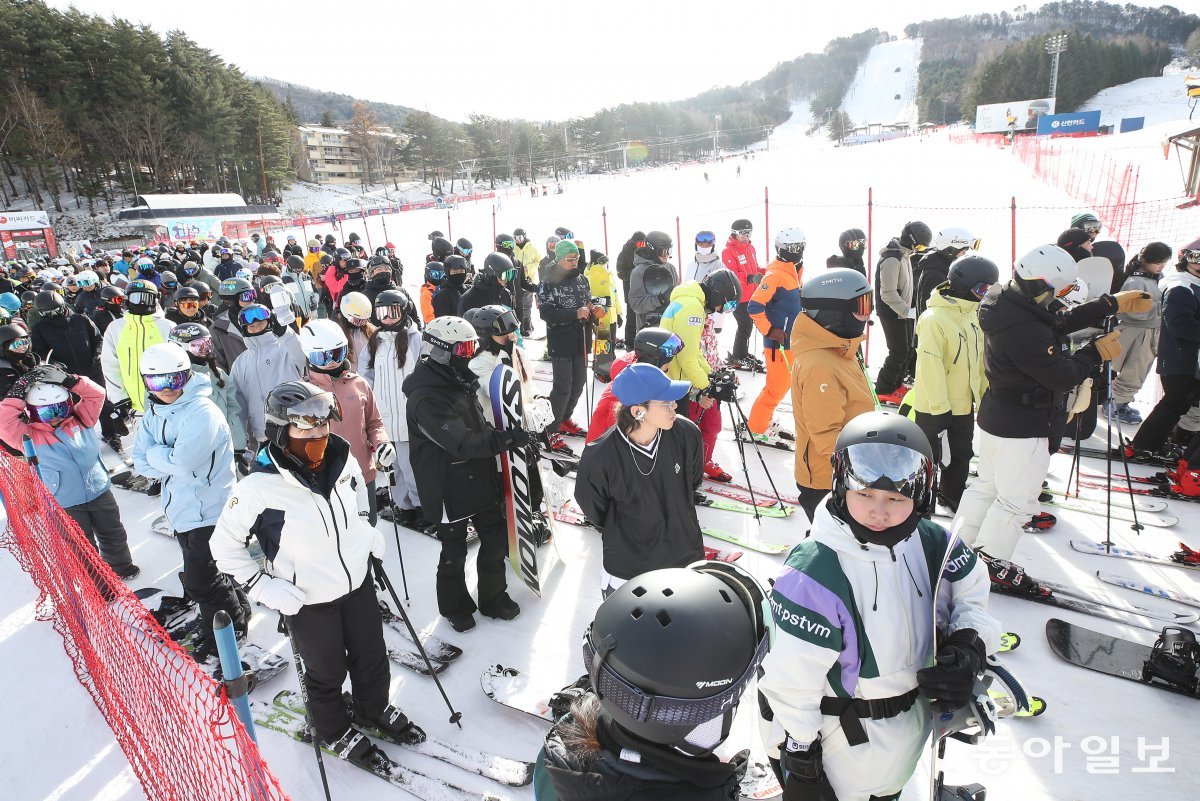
(1159, 99)
(60, 749)
(885, 87)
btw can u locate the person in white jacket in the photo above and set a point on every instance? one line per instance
(391, 354)
(300, 504)
(856, 665)
(496, 326)
(273, 355)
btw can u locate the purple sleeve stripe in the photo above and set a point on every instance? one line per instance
(805, 591)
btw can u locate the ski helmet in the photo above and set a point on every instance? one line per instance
(789, 245)
(145, 266)
(185, 293)
(954, 240)
(886, 451)
(658, 279)
(11, 333)
(251, 315)
(441, 248)
(551, 241)
(301, 404)
(232, 288)
(341, 254)
(435, 272)
(852, 242)
(455, 262)
(325, 344)
(497, 265)
(393, 303)
(295, 263)
(87, 278)
(48, 403)
(656, 346)
(742, 226)
(916, 236)
(353, 237)
(721, 289)
(195, 338)
(165, 367)
(660, 243)
(973, 276)
(113, 295)
(838, 300)
(463, 246)
(49, 303)
(493, 320)
(10, 302)
(1045, 269)
(706, 239)
(562, 232)
(142, 296)
(505, 244)
(447, 338)
(435, 235)
(169, 281)
(355, 308)
(670, 653)
(519, 233)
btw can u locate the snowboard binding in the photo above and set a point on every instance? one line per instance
(1175, 660)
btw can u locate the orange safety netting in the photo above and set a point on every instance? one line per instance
(174, 723)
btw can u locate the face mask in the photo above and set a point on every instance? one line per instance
(355, 280)
(457, 280)
(383, 279)
(311, 452)
(704, 251)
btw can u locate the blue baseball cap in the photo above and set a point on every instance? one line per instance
(641, 383)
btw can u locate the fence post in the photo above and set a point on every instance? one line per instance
(1132, 207)
(362, 213)
(1013, 227)
(604, 222)
(678, 250)
(449, 228)
(867, 264)
(493, 223)
(383, 219)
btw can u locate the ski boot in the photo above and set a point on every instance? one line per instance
(1010, 577)
(1175, 660)
(555, 444)
(894, 398)
(948, 503)
(963, 792)
(714, 472)
(115, 444)
(775, 430)
(1184, 480)
(570, 428)
(755, 364)
(354, 746)
(1042, 521)
(392, 724)
(1186, 556)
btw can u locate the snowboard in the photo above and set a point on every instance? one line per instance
(508, 686)
(508, 393)
(1112, 251)
(1096, 273)
(752, 543)
(1102, 653)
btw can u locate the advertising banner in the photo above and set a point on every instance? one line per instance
(1018, 115)
(23, 220)
(1075, 122)
(187, 228)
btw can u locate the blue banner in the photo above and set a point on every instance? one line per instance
(1076, 122)
(1132, 124)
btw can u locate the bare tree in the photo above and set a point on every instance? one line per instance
(361, 130)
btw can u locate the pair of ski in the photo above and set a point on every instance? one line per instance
(1100, 453)
(440, 653)
(511, 688)
(1184, 558)
(1119, 510)
(286, 714)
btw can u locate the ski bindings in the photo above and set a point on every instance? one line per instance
(1175, 660)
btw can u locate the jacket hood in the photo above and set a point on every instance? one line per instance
(836, 534)
(688, 290)
(700, 258)
(939, 301)
(807, 336)
(1177, 278)
(894, 244)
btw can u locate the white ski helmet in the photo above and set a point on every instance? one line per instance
(87, 278)
(324, 343)
(1046, 268)
(446, 337)
(790, 241)
(164, 358)
(955, 239)
(355, 307)
(41, 393)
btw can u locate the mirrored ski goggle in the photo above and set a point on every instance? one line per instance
(1190, 256)
(706, 239)
(142, 298)
(979, 290)
(436, 276)
(856, 244)
(505, 323)
(729, 306)
(83, 282)
(894, 468)
(466, 251)
(199, 347)
(315, 412)
(166, 381)
(866, 303)
(51, 411)
(671, 346)
(466, 349)
(248, 296)
(389, 312)
(188, 303)
(743, 231)
(253, 314)
(1067, 290)
(1092, 227)
(508, 244)
(327, 358)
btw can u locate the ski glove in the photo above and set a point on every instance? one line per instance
(777, 334)
(949, 684)
(123, 409)
(1108, 346)
(279, 594)
(1133, 301)
(514, 439)
(385, 455)
(804, 775)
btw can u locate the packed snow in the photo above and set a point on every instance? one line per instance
(1159, 99)
(65, 752)
(885, 87)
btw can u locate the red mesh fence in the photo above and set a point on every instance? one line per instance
(174, 723)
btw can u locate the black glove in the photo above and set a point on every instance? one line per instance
(52, 373)
(951, 681)
(123, 409)
(805, 775)
(620, 320)
(515, 439)
(756, 278)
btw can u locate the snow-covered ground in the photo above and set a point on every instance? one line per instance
(1159, 99)
(885, 87)
(64, 751)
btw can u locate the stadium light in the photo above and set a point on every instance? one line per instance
(1055, 45)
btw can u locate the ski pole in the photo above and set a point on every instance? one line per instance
(381, 577)
(396, 528)
(286, 622)
(237, 684)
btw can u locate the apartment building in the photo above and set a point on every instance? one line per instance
(327, 156)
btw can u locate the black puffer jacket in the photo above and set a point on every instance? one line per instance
(930, 272)
(1028, 363)
(451, 442)
(561, 296)
(485, 291)
(75, 341)
(580, 773)
(648, 521)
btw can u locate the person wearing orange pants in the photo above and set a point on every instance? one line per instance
(773, 307)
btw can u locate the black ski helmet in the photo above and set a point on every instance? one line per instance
(49, 303)
(456, 262)
(392, 297)
(721, 288)
(670, 653)
(656, 346)
(230, 288)
(852, 242)
(142, 297)
(562, 232)
(887, 451)
(492, 320)
(916, 235)
(441, 248)
(112, 294)
(9, 333)
(505, 243)
(436, 235)
(185, 293)
(301, 399)
(353, 237)
(834, 297)
(968, 274)
(435, 273)
(741, 225)
(341, 254)
(497, 265)
(295, 263)
(659, 242)
(463, 246)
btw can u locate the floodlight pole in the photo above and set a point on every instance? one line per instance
(1055, 45)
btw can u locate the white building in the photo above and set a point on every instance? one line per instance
(327, 156)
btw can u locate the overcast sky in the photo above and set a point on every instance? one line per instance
(537, 59)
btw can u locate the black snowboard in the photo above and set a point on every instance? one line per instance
(1101, 652)
(1114, 253)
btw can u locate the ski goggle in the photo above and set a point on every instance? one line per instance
(505, 323)
(167, 381)
(465, 251)
(199, 347)
(671, 346)
(116, 300)
(883, 466)
(51, 411)
(388, 312)
(866, 303)
(248, 296)
(855, 244)
(253, 314)
(743, 231)
(436, 276)
(508, 243)
(465, 349)
(328, 358)
(82, 282)
(315, 412)
(143, 298)
(1190, 256)
(729, 306)
(979, 290)
(919, 248)
(1092, 227)
(706, 239)
(190, 303)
